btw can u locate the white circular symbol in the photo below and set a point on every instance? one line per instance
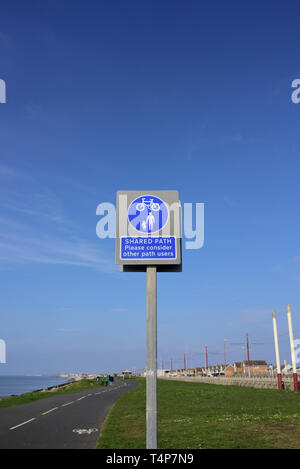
(148, 214)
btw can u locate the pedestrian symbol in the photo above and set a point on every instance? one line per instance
(148, 214)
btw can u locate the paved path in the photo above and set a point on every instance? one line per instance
(70, 421)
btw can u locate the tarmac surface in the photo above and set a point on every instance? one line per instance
(71, 421)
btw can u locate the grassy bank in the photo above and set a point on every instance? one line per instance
(36, 395)
(196, 415)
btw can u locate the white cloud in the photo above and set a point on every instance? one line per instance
(35, 229)
(24, 249)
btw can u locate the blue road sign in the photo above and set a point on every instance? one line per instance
(148, 230)
(146, 247)
(148, 214)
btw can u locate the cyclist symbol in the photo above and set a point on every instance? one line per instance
(148, 204)
(148, 214)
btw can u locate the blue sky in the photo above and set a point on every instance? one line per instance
(102, 96)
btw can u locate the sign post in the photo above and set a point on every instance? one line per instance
(148, 239)
(151, 376)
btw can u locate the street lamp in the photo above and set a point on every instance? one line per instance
(225, 340)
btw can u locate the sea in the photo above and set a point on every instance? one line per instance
(20, 384)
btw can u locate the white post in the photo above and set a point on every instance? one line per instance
(295, 377)
(279, 380)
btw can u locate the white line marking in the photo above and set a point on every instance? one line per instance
(27, 421)
(51, 410)
(83, 397)
(82, 431)
(68, 403)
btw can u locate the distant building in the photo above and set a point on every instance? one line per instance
(230, 370)
(161, 373)
(254, 366)
(286, 368)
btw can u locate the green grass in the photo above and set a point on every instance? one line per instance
(34, 396)
(198, 415)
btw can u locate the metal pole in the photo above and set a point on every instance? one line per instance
(295, 376)
(279, 379)
(151, 378)
(248, 355)
(225, 357)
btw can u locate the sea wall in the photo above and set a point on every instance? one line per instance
(257, 382)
